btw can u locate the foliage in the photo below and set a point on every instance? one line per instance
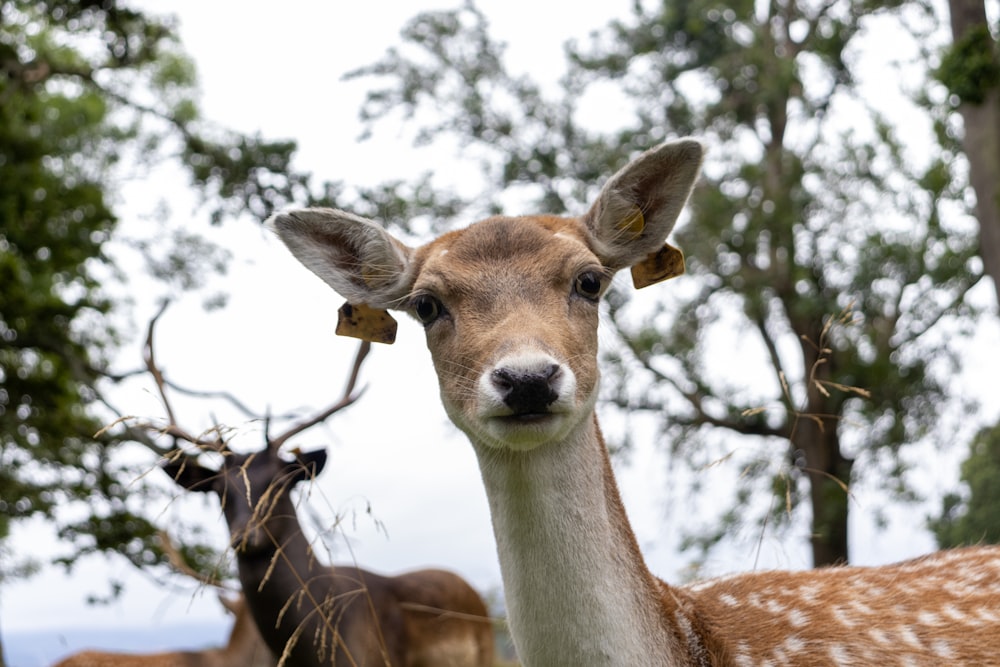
(974, 517)
(970, 70)
(971, 67)
(820, 249)
(87, 90)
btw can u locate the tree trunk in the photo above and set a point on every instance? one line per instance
(829, 474)
(817, 437)
(981, 143)
(829, 478)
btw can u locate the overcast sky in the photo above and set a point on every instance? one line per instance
(402, 479)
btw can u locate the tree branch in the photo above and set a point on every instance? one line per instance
(694, 399)
(760, 322)
(181, 566)
(944, 311)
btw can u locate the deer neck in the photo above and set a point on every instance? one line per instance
(577, 589)
(245, 646)
(279, 538)
(273, 573)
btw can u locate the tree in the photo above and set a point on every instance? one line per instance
(972, 518)
(831, 253)
(88, 90)
(971, 71)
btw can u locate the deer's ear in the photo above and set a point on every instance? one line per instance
(307, 465)
(639, 205)
(355, 256)
(190, 475)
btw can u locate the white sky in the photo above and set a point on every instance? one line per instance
(394, 452)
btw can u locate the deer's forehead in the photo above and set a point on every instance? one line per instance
(534, 247)
(254, 470)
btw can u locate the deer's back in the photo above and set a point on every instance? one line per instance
(939, 609)
(447, 623)
(105, 659)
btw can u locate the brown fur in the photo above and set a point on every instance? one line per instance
(311, 614)
(513, 318)
(245, 648)
(941, 609)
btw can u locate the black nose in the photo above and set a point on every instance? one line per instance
(527, 392)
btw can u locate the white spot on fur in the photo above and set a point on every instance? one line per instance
(909, 637)
(928, 618)
(729, 600)
(988, 615)
(839, 654)
(954, 613)
(942, 648)
(743, 657)
(809, 592)
(794, 645)
(775, 607)
(880, 636)
(797, 618)
(841, 616)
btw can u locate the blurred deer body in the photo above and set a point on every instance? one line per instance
(342, 615)
(245, 648)
(510, 307)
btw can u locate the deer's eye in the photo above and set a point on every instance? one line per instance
(588, 285)
(426, 308)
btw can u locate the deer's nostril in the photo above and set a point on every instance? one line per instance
(503, 380)
(527, 392)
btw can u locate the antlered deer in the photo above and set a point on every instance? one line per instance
(245, 648)
(308, 613)
(510, 307)
(340, 615)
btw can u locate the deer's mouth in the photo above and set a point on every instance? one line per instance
(251, 540)
(527, 417)
(523, 431)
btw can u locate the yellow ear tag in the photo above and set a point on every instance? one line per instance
(665, 263)
(634, 223)
(366, 323)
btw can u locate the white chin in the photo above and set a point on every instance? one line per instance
(522, 434)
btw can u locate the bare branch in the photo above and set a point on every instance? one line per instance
(181, 566)
(772, 350)
(149, 357)
(943, 312)
(741, 426)
(694, 399)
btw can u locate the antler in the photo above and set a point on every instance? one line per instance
(217, 443)
(348, 397)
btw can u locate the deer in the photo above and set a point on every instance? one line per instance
(308, 613)
(313, 614)
(510, 307)
(244, 648)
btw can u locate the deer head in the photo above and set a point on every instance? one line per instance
(510, 309)
(510, 305)
(254, 490)
(308, 613)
